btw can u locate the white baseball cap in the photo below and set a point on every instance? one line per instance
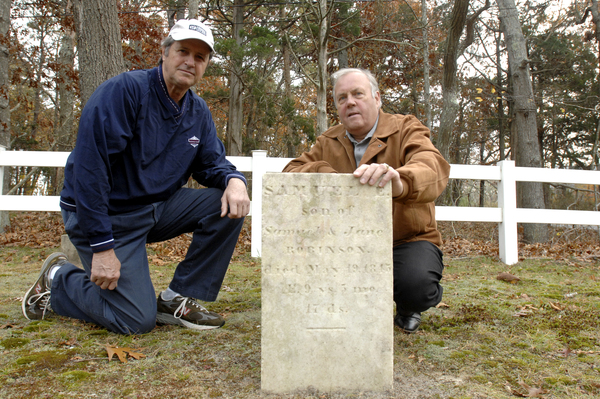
(192, 29)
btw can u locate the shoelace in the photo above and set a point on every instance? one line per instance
(40, 300)
(181, 307)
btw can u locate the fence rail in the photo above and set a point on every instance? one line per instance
(506, 215)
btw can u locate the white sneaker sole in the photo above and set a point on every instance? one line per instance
(47, 264)
(166, 318)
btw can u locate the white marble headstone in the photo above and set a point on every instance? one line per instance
(327, 306)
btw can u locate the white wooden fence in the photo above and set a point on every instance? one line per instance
(507, 215)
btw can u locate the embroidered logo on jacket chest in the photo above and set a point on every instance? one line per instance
(194, 141)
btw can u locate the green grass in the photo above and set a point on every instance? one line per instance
(488, 339)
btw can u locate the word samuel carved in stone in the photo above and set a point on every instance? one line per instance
(350, 190)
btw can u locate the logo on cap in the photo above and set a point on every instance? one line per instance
(198, 29)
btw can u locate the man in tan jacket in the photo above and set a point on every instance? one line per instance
(380, 148)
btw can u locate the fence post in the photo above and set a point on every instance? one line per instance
(259, 168)
(4, 218)
(508, 240)
(2, 148)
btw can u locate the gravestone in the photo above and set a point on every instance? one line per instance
(327, 284)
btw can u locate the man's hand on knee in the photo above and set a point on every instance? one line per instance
(235, 202)
(106, 269)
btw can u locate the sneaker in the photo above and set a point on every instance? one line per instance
(184, 311)
(36, 302)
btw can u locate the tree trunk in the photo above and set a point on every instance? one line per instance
(527, 150)
(449, 80)
(426, 83)
(65, 130)
(236, 114)
(596, 145)
(193, 9)
(288, 107)
(324, 20)
(342, 51)
(98, 43)
(481, 182)
(499, 102)
(66, 137)
(176, 12)
(454, 48)
(37, 91)
(450, 105)
(4, 99)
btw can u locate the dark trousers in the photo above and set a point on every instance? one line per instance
(131, 307)
(418, 270)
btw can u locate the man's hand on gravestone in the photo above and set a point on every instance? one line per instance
(382, 173)
(106, 269)
(235, 202)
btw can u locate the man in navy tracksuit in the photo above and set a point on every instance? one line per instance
(142, 134)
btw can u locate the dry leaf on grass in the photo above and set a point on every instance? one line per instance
(504, 276)
(556, 306)
(70, 342)
(525, 310)
(532, 392)
(122, 353)
(565, 352)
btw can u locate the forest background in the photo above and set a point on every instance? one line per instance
(493, 80)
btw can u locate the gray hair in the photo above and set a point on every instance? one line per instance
(166, 45)
(345, 71)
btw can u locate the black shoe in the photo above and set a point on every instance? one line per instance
(184, 311)
(409, 323)
(36, 301)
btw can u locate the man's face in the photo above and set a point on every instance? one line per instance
(185, 64)
(356, 106)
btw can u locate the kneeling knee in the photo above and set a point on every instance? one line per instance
(136, 325)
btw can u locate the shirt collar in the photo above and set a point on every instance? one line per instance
(367, 137)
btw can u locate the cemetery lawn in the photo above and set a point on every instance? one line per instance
(489, 338)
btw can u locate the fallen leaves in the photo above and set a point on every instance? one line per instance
(525, 310)
(464, 239)
(44, 230)
(418, 359)
(532, 392)
(34, 230)
(461, 239)
(123, 353)
(509, 278)
(565, 352)
(70, 343)
(556, 306)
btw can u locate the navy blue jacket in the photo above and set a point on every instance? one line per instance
(136, 146)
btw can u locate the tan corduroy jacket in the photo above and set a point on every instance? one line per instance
(403, 143)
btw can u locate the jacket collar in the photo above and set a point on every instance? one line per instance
(386, 127)
(174, 109)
